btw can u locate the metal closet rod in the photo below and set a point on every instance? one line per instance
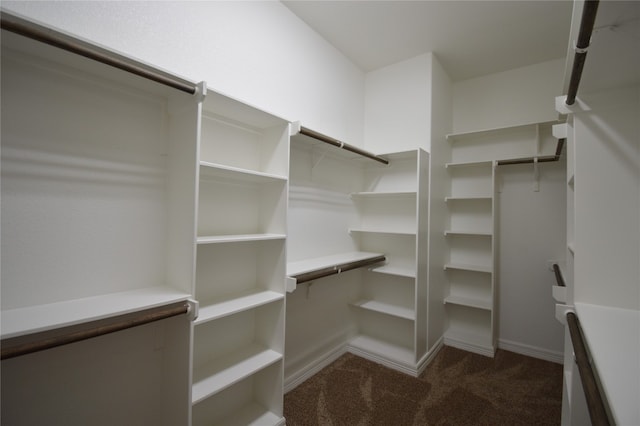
(544, 159)
(589, 12)
(24, 345)
(595, 402)
(337, 269)
(559, 277)
(63, 41)
(343, 145)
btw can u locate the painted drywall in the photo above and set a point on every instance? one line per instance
(519, 96)
(397, 106)
(257, 52)
(531, 233)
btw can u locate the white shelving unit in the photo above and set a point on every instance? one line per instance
(471, 230)
(98, 195)
(238, 337)
(391, 218)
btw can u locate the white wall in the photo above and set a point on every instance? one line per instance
(257, 52)
(532, 232)
(519, 96)
(397, 106)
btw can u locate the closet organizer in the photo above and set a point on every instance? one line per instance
(143, 242)
(368, 212)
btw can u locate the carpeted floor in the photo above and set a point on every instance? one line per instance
(457, 388)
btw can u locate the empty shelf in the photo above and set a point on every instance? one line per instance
(310, 269)
(236, 303)
(222, 373)
(217, 239)
(472, 302)
(468, 267)
(33, 319)
(386, 308)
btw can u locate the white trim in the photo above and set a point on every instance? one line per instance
(532, 351)
(313, 367)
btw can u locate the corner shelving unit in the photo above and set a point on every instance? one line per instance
(391, 218)
(238, 346)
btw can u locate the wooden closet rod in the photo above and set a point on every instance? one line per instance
(337, 269)
(24, 345)
(595, 403)
(528, 160)
(63, 41)
(589, 12)
(559, 277)
(343, 145)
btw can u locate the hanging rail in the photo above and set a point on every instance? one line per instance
(558, 273)
(595, 403)
(336, 269)
(24, 345)
(343, 145)
(543, 159)
(589, 12)
(66, 42)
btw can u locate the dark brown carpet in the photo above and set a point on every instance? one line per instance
(457, 388)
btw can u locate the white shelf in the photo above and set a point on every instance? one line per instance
(235, 303)
(453, 137)
(383, 349)
(386, 308)
(252, 414)
(460, 232)
(314, 264)
(214, 170)
(33, 319)
(382, 231)
(469, 164)
(613, 339)
(470, 198)
(571, 248)
(472, 302)
(469, 267)
(222, 373)
(369, 195)
(218, 239)
(395, 270)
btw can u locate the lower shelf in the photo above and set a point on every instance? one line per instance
(472, 302)
(386, 308)
(252, 414)
(224, 372)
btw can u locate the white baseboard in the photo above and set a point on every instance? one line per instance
(532, 351)
(313, 367)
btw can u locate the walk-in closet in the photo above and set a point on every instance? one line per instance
(207, 206)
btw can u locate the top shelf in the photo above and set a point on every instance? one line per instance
(34, 319)
(494, 132)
